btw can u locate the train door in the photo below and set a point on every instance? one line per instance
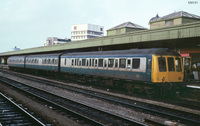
(128, 64)
(171, 69)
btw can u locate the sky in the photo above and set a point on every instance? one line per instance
(28, 23)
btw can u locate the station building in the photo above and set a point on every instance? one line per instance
(124, 28)
(55, 41)
(86, 31)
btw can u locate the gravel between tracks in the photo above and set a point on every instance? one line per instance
(98, 103)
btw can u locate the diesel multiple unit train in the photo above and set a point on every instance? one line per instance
(159, 67)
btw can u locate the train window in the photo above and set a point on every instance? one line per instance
(116, 63)
(105, 63)
(128, 64)
(170, 61)
(100, 63)
(93, 62)
(90, 62)
(83, 62)
(96, 62)
(75, 62)
(178, 64)
(79, 62)
(162, 64)
(87, 62)
(72, 62)
(110, 63)
(136, 63)
(149, 64)
(49, 61)
(65, 61)
(53, 61)
(122, 63)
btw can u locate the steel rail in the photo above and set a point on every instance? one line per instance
(116, 116)
(32, 119)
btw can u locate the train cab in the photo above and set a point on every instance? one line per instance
(167, 68)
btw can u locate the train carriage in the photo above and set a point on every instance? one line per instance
(48, 62)
(16, 62)
(150, 65)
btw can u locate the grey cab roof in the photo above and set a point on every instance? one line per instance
(174, 15)
(157, 51)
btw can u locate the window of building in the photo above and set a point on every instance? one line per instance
(75, 27)
(162, 64)
(118, 31)
(110, 63)
(101, 29)
(136, 63)
(169, 23)
(122, 63)
(170, 61)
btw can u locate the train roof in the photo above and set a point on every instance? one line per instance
(45, 55)
(156, 51)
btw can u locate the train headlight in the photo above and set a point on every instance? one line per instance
(163, 79)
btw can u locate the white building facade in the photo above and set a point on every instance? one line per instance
(86, 31)
(55, 41)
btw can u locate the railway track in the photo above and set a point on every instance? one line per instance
(81, 111)
(177, 115)
(14, 114)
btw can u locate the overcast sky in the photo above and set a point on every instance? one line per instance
(27, 23)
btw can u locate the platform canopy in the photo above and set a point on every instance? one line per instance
(185, 34)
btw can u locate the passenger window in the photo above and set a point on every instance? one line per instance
(110, 63)
(90, 62)
(149, 64)
(100, 63)
(136, 63)
(122, 63)
(53, 61)
(128, 64)
(116, 63)
(170, 61)
(65, 61)
(105, 63)
(87, 62)
(83, 62)
(79, 62)
(178, 64)
(162, 64)
(72, 62)
(56, 61)
(76, 62)
(95, 63)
